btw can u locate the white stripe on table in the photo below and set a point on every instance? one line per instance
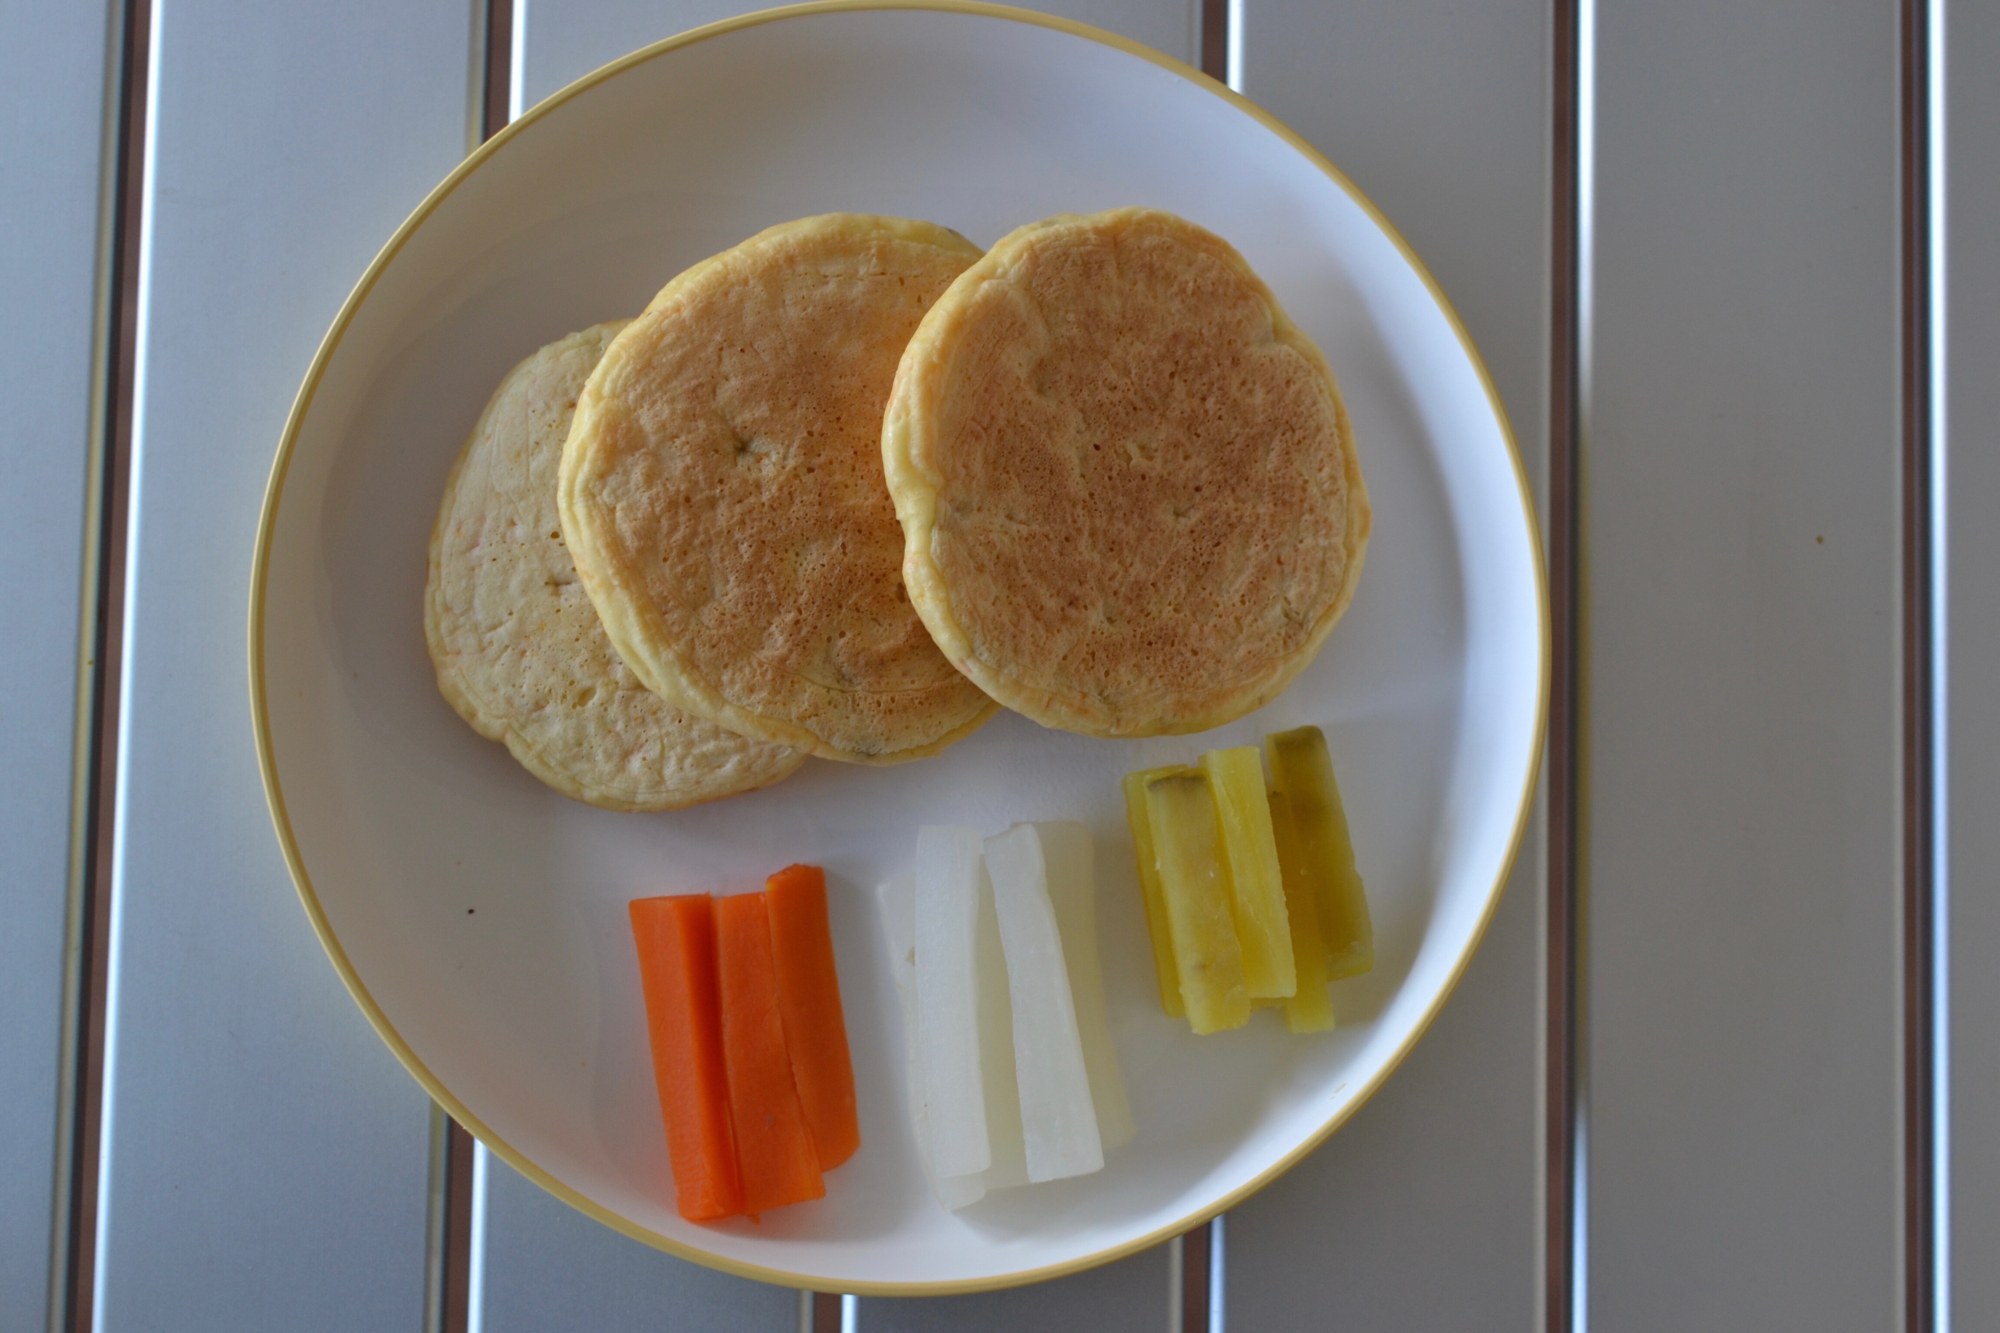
(558, 1260)
(264, 1155)
(1972, 849)
(559, 41)
(1131, 1294)
(53, 80)
(1742, 561)
(1422, 1212)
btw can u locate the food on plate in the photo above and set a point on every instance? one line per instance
(898, 900)
(1048, 1089)
(950, 892)
(517, 645)
(1006, 1137)
(721, 492)
(676, 940)
(809, 1002)
(774, 1150)
(1229, 868)
(1310, 1007)
(749, 1045)
(1302, 770)
(1058, 1118)
(1072, 872)
(1164, 967)
(1113, 487)
(1194, 885)
(1000, 1097)
(1128, 489)
(1256, 889)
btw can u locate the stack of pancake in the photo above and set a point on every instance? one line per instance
(846, 489)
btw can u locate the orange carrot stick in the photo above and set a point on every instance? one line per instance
(676, 939)
(809, 1001)
(774, 1152)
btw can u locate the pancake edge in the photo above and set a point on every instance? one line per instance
(909, 445)
(635, 628)
(457, 691)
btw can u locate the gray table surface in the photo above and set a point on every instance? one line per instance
(265, 1163)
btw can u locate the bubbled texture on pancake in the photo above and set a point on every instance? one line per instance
(517, 645)
(1127, 483)
(722, 492)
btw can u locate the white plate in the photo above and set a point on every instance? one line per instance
(479, 918)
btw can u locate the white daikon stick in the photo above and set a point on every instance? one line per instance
(898, 899)
(1066, 851)
(949, 883)
(996, 1047)
(996, 1051)
(948, 893)
(1058, 1122)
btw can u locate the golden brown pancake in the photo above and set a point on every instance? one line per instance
(1128, 488)
(722, 492)
(517, 646)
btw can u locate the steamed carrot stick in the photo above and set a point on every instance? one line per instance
(676, 939)
(809, 1002)
(773, 1150)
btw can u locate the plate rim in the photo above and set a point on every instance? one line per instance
(260, 702)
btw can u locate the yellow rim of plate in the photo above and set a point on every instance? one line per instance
(259, 703)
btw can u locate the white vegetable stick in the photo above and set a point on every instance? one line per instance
(1003, 1111)
(996, 1051)
(1066, 851)
(947, 917)
(1009, 1166)
(1058, 1122)
(898, 899)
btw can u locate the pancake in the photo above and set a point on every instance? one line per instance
(516, 643)
(1128, 488)
(722, 492)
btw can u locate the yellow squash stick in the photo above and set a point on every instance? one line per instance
(1194, 885)
(1236, 777)
(1149, 888)
(1302, 770)
(1310, 1009)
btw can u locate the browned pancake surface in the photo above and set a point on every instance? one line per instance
(724, 499)
(1128, 485)
(517, 645)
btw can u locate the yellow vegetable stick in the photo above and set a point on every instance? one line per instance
(1149, 889)
(1303, 771)
(1311, 1008)
(1194, 884)
(1243, 808)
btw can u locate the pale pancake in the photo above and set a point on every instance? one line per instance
(516, 643)
(1128, 487)
(722, 492)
